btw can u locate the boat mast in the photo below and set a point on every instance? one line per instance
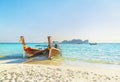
(49, 42)
(49, 46)
(23, 42)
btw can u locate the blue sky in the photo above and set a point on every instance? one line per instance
(96, 20)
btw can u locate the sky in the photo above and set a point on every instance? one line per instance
(95, 20)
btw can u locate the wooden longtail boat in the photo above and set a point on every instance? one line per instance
(50, 52)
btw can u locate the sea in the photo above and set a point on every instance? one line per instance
(72, 54)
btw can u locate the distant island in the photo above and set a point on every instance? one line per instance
(75, 41)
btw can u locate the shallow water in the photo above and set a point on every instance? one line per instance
(75, 53)
(100, 53)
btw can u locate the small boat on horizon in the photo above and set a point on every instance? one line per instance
(93, 43)
(50, 51)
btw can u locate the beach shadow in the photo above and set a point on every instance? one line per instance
(37, 58)
(42, 59)
(12, 58)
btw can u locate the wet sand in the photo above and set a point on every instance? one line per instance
(50, 73)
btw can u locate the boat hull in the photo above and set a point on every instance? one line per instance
(50, 53)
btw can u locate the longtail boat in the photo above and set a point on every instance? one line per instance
(93, 43)
(50, 52)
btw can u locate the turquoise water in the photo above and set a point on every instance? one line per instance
(100, 53)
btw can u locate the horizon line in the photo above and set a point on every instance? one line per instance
(59, 42)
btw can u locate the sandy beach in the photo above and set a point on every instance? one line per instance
(49, 73)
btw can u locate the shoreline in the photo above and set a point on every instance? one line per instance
(50, 73)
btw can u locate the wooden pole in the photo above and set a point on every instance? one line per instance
(23, 43)
(22, 40)
(49, 41)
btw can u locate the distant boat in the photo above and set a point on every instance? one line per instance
(93, 43)
(50, 51)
